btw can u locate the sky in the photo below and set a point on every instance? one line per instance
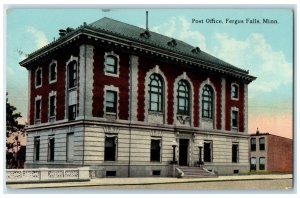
(266, 50)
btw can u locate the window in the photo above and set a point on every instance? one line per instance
(234, 91)
(52, 105)
(111, 64)
(72, 74)
(36, 148)
(111, 101)
(155, 93)
(38, 110)
(253, 144)
(72, 107)
(51, 142)
(234, 119)
(262, 144)
(70, 146)
(52, 72)
(253, 163)
(155, 150)
(38, 77)
(261, 163)
(183, 98)
(207, 102)
(110, 148)
(235, 153)
(72, 112)
(208, 151)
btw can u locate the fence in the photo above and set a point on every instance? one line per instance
(47, 175)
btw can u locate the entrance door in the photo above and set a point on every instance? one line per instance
(183, 152)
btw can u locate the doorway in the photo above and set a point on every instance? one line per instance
(183, 152)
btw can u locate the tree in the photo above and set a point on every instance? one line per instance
(12, 124)
(15, 154)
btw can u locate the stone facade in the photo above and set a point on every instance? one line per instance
(132, 126)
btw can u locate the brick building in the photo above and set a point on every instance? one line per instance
(119, 98)
(270, 153)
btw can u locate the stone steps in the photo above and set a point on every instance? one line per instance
(196, 172)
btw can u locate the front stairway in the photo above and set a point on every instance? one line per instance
(196, 172)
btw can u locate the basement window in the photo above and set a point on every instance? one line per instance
(111, 173)
(156, 172)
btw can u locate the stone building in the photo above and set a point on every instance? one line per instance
(119, 98)
(270, 153)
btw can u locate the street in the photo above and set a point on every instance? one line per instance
(275, 184)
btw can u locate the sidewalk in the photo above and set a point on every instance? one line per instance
(145, 181)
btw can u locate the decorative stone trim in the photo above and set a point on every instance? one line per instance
(45, 174)
(29, 98)
(156, 133)
(52, 119)
(111, 129)
(133, 88)
(223, 103)
(118, 64)
(236, 129)
(86, 80)
(35, 77)
(72, 58)
(109, 115)
(39, 97)
(245, 108)
(183, 120)
(238, 88)
(208, 122)
(164, 114)
(49, 74)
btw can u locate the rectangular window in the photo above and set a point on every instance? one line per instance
(38, 77)
(52, 106)
(262, 144)
(38, 109)
(235, 153)
(253, 163)
(155, 150)
(261, 163)
(111, 64)
(253, 144)
(52, 72)
(111, 101)
(110, 149)
(70, 146)
(51, 142)
(72, 70)
(36, 148)
(208, 151)
(72, 112)
(234, 119)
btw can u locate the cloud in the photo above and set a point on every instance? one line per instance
(180, 28)
(255, 54)
(40, 38)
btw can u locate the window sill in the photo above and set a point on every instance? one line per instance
(53, 81)
(111, 74)
(155, 112)
(38, 86)
(236, 99)
(207, 119)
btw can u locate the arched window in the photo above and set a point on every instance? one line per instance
(111, 64)
(207, 102)
(234, 91)
(183, 98)
(72, 71)
(155, 93)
